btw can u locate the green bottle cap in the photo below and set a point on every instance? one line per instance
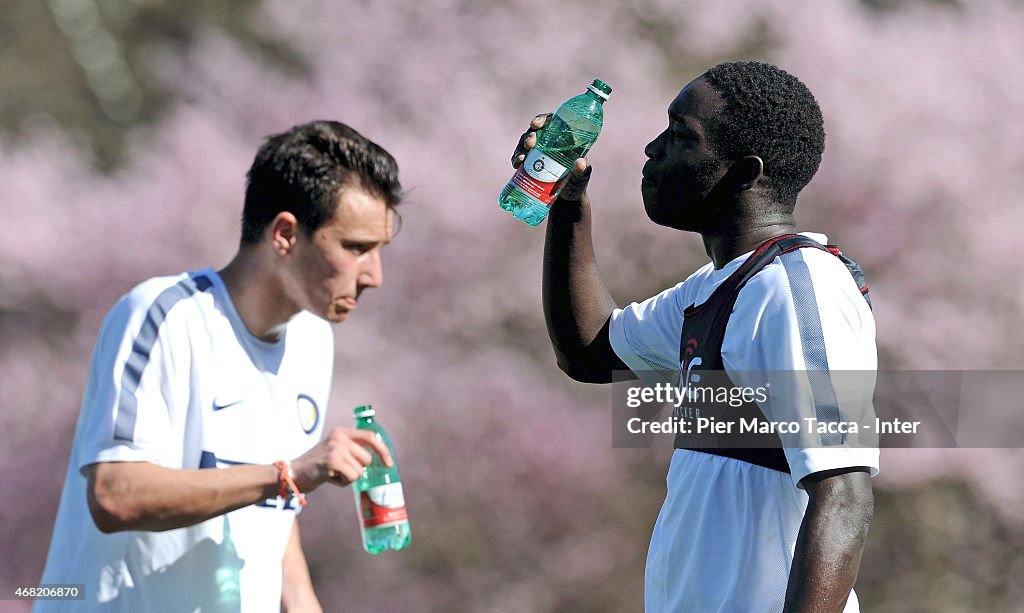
(364, 411)
(600, 88)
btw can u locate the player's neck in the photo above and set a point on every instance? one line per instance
(257, 295)
(726, 244)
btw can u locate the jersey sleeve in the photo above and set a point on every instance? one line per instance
(137, 396)
(802, 327)
(645, 336)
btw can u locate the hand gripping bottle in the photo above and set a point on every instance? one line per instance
(379, 499)
(568, 136)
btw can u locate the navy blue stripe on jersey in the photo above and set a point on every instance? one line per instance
(826, 406)
(127, 406)
(208, 459)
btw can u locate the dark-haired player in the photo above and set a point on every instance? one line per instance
(203, 420)
(740, 529)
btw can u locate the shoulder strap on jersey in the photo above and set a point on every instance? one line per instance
(797, 241)
(724, 297)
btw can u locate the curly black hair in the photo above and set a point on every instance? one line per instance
(771, 114)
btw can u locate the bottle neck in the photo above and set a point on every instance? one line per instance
(591, 93)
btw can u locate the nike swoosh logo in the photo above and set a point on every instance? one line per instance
(217, 407)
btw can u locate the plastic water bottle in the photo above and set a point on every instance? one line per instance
(380, 502)
(227, 575)
(568, 136)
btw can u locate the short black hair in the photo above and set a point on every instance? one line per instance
(303, 170)
(771, 114)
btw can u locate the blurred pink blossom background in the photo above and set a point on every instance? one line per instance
(517, 499)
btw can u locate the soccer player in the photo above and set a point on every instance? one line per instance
(740, 529)
(202, 426)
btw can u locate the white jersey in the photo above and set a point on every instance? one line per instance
(177, 380)
(726, 533)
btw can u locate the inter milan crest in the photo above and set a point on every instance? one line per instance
(309, 413)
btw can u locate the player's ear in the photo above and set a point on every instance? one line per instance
(745, 173)
(284, 230)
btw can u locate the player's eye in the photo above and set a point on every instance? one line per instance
(682, 133)
(356, 246)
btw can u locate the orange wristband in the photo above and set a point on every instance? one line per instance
(287, 487)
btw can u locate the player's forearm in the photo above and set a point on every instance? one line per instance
(296, 586)
(577, 303)
(830, 543)
(145, 496)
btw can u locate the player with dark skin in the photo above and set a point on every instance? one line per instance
(688, 185)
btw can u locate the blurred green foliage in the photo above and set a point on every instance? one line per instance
(90, 65)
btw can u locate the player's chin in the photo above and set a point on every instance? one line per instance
(670, 214)
(655, 209)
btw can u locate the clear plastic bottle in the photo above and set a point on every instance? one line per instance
(227, 575)
(568, 136)
(380, 501)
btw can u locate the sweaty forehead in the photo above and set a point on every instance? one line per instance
(697, 101)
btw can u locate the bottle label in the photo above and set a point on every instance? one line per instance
(539, 175)
(383, 505)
